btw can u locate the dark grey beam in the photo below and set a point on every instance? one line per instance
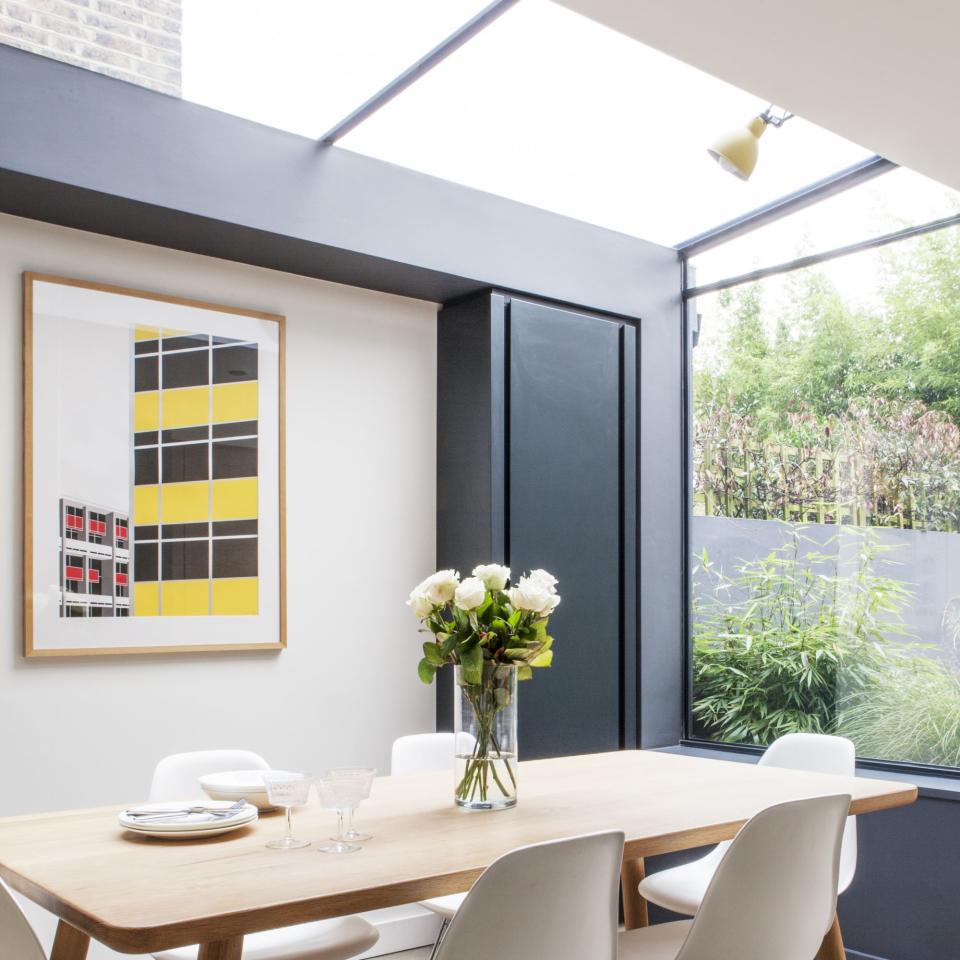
(87, 151)
(789, 203)
(425, 64)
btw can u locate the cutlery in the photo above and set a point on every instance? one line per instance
(186, 811)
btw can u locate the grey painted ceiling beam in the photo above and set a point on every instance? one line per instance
(88, 151)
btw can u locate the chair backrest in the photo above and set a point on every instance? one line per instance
(177, 777)
(819, 753)
(426, 752)
(774, 893)
(556, 899)
(16, 935)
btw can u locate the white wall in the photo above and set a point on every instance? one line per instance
(361, 414)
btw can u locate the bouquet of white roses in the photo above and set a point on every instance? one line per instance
(480, 622)
(496, 635)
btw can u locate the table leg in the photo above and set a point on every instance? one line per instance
(69, 943)
(634, 906)
(229, 949)
(832, 946)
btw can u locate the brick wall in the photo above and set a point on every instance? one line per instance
(133, 40)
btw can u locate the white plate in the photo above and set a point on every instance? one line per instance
(238, 785)
(190, 834)
(190, 825)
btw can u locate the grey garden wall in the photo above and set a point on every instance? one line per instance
(927, 562)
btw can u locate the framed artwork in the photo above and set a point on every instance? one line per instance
(153, 473)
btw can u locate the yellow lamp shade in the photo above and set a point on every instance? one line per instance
(737, 150)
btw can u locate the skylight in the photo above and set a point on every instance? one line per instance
(302, 65)
(544, 106)
(552, 109)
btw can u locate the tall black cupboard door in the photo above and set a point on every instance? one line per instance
(570, 509)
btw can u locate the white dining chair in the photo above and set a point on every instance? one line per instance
(555, 900)
(17, 938)
(423, 753)
(430, 753)
(681, 889)
(177, 778)
(773, 896)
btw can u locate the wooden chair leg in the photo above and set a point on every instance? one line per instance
(229, 949)
(634, 906)
(69, 943)
(832, 946)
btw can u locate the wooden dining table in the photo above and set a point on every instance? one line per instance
(139, 895)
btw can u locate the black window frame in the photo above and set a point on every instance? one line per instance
(748, 223)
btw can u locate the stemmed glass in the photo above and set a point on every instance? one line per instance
(364, 776)
(287, 790)
(341, 794)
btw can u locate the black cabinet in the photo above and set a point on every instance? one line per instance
(537, 467)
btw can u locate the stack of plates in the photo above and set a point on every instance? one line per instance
(238, 785)
(191, 826)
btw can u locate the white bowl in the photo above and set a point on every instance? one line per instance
(237, 785)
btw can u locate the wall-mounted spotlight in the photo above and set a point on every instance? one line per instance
(737, 150)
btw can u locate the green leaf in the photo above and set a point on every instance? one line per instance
(543, 660)
(517, 653)
(426, 670)
(448, 645)
(524, 672)
(433, 653)
(471, 662)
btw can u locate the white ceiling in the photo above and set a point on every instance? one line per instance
(882, 74)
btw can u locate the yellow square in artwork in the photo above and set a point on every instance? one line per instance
(185, 502)
(235, 401)
(235, 499)
(235, 597)
(146, 500)
(146, 410)
(185, 598)
(145, 333)
(146, 599)
(185, 407)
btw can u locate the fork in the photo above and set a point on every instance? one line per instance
(187, 811)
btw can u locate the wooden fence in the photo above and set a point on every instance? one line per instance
(776, 482)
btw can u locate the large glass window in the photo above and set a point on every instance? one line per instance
(825, 536)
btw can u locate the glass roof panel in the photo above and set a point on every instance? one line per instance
(552, 109)
(890, 202)
(302, 65)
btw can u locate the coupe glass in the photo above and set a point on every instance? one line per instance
(287, 790)
(342, 794)
(364, 776)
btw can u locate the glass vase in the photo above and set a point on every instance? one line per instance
(485, 717)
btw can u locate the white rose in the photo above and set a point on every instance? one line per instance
(552, 604)
(470, 594)
(440, 587)
(528, 595)
(493, 575)
(544, 579)
(420, 604)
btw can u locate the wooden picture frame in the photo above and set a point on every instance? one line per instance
(186, 552)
